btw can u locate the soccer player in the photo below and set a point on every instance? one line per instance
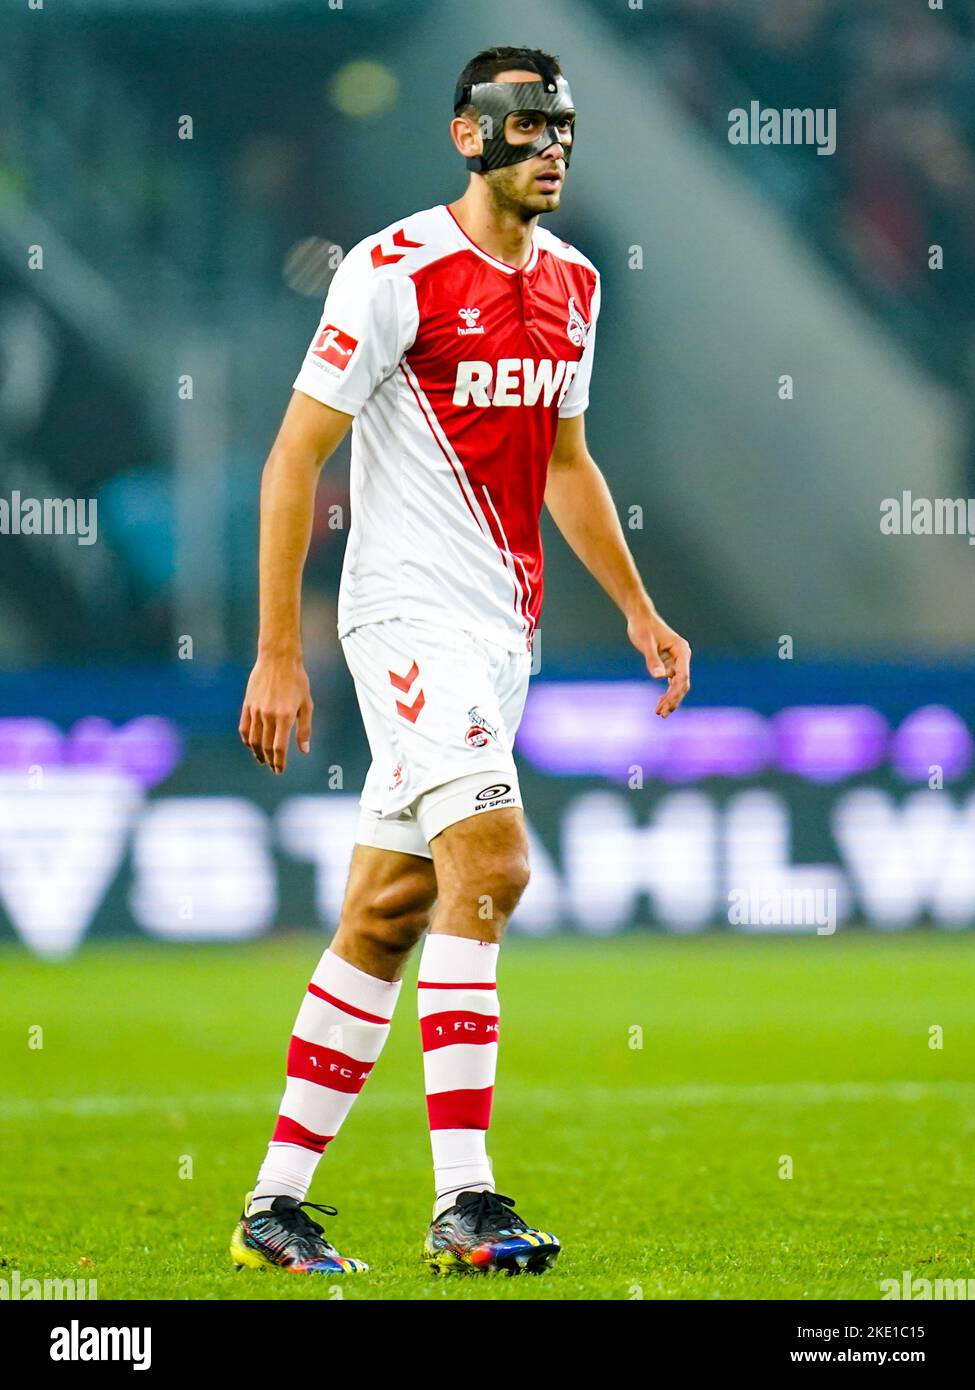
(460, 342)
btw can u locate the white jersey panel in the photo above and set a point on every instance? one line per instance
(576, 399)
(368, 322)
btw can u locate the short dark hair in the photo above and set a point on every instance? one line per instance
(485, 66)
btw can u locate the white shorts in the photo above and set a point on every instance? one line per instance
(441, 709)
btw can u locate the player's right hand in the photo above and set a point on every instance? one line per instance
(277, 697)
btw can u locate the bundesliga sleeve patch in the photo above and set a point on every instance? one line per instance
(334, 347)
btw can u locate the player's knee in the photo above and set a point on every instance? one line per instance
(499, 884)
(396, 915)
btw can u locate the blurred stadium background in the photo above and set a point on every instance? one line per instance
(148, 358)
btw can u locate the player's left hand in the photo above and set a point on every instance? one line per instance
(666, 653)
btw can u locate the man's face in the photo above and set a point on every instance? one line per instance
(534, 185)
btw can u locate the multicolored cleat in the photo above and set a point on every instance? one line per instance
(481, 1234)
(283, 1237)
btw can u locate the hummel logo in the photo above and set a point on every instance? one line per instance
(381, 257)
(404, 683)
(470, 317)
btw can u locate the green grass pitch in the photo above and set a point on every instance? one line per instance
(657, 1165)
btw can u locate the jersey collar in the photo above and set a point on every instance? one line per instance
(493, 260)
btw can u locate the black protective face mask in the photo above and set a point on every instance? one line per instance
(494, 101)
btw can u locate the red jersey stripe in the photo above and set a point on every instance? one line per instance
(484, 524)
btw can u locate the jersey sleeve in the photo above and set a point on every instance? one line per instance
(576, 399)
(368, 323)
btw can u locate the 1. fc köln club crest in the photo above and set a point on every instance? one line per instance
(481, 731)
(576, 328)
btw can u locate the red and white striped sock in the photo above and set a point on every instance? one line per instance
(339, 1033)
(458, 1003)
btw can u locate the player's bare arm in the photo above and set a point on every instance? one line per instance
(581, 505)
(278, 695)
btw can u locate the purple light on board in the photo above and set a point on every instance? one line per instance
(826, 743)
(89, 744)
(588, 727)
(26, 743)
(932, 737)
(147, 748)
(714, 742)
(606, 728)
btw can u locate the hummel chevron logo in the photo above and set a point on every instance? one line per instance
(380, 257)
(404, 682)
(410, 712)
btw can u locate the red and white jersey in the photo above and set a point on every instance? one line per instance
(457, 369)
